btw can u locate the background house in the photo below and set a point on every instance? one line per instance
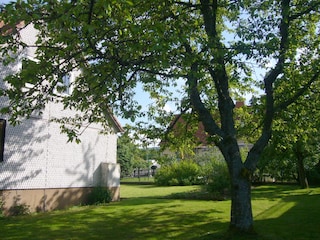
(192, 136)
(39, 167)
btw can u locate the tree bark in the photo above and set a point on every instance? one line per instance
(241, 209)
(241, 219)
(302, 176)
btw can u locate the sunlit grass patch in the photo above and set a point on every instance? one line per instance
(280, 212)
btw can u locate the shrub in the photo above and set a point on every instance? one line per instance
(179, 173)
(1, 208)
(19, 210)
(313, 176)
(173, 182)
(99, 195)
(164, 176)
(217, 180)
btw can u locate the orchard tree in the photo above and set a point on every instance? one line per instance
(130, 155)
(127, 153)
(295, 147)
(217, 49)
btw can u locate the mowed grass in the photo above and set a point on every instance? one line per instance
(137, 180)
(146, 212)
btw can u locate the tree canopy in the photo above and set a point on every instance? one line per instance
(220, 50)
(294, 147)
(130, 156)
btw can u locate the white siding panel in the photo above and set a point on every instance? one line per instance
(24, 156)
(29, 37)
(73, 163)
(38, 156)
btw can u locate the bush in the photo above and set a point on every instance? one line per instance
(1, 207)
(19, 210)
(208, 169)
(313, 176)
(164, 176)
(181, 173)
(217, 180)
(99, 195)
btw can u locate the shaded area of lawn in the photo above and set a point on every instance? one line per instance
(129, 219)
(281, 212)
(296, 216)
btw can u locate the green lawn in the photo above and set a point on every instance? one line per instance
(281, 212)
(137, 180)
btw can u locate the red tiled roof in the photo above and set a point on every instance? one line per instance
(6, 29)
(200, 134)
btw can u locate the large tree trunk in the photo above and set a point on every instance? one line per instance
(302, 176)
(241, 210)
(241, 219)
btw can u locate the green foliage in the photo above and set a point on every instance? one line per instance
(99, 195)
(150, 153)
(296, 136)
(217, 178)
(129, 155)
(214, 172)
(208, 169)
(313, 175)
(19, 210)
(181, 173)
(1, 207)
(182, 138)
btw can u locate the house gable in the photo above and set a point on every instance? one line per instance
(41, 168)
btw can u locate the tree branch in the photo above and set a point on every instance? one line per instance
(204, 114)
(298, 94)
(159, 73)
(218, 69)
(92, 2)
(269, 79)
(187, 4)
(313, 7)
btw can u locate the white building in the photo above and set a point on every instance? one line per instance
(39, 167)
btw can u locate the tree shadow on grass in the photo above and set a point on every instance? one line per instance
(154, 220)
(272, 192)
(295, 217)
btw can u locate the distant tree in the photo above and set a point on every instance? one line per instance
(139, 164)
(129, 155)
(150, 153)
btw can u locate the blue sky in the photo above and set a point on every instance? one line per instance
(5, 1)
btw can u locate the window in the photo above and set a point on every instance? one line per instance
(3, 124)
(66, 79)
(28, 64)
